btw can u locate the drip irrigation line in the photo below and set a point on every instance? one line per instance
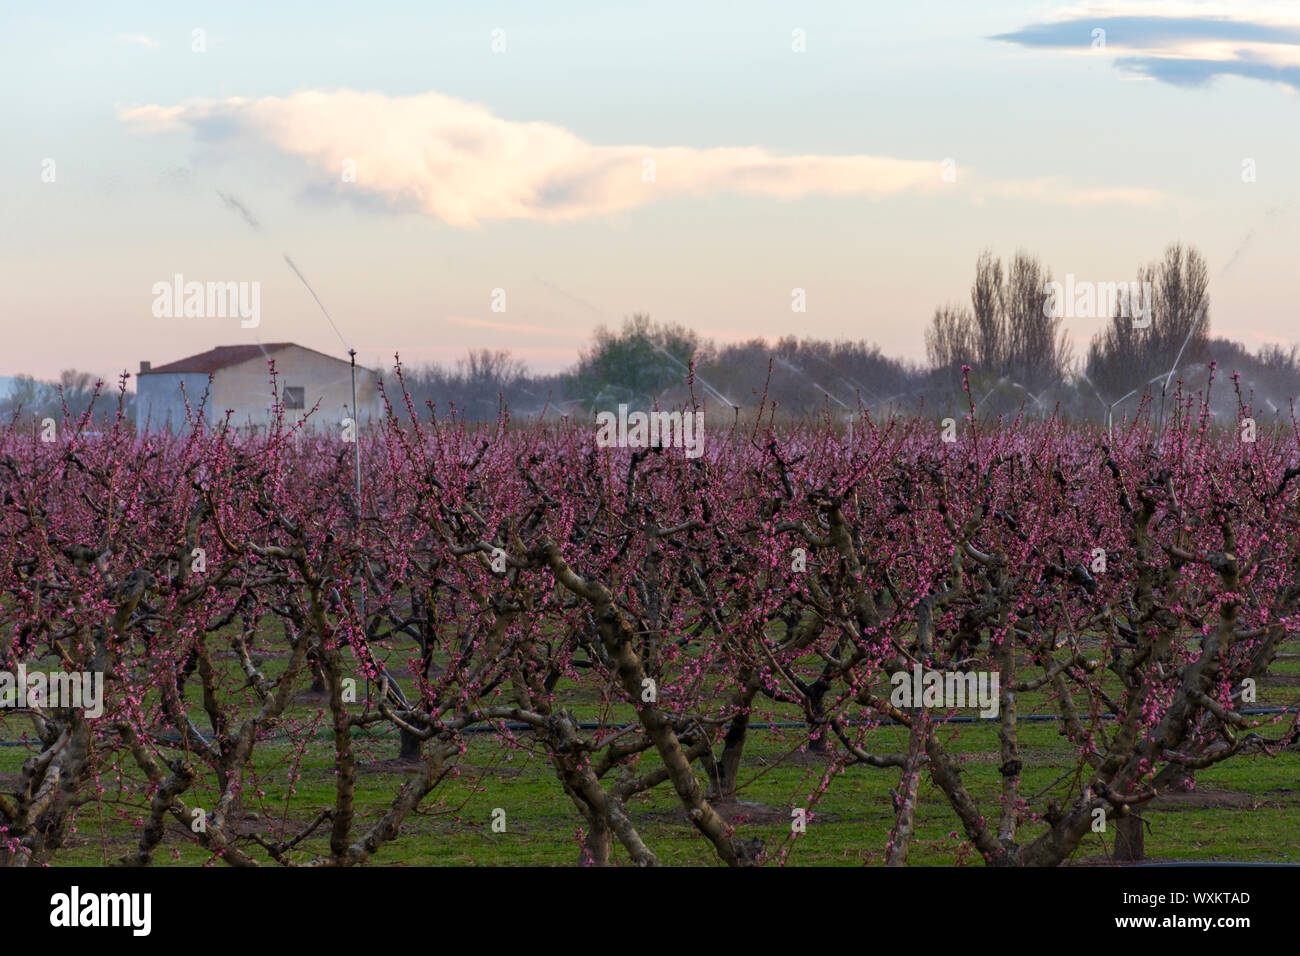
(759, 725)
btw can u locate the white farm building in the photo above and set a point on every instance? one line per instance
(240, 380)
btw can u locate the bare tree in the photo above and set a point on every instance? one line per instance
(1037, 353)
(491, 367)
(1125, 355)
(40, 399)
(951, 342)
(478, 384)
(1008, 334)
(990, 322)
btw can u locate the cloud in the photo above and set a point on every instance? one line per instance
(1051, 189)
(516, 327)
(137, 39)
(1181, 43)
(458, 162)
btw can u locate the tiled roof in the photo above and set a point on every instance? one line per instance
(223, 356)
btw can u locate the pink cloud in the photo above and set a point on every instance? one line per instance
(459, 163)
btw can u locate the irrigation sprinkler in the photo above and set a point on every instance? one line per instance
(356, 442)
(1110, 411)
(1164, 389)
(698, 377)
(842, 405)
(1004, 380)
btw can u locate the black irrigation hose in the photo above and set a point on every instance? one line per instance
(791, 724)
(760, 725)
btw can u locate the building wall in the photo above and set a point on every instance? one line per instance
(247, 389)
(160, 404)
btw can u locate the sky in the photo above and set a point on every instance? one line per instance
(496, 175)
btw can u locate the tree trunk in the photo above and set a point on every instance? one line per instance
(1129, 838)
(595, 849)
(817, 729)
(412, 747)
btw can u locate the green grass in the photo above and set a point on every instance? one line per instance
(1252, 814)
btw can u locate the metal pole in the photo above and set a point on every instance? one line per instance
(356, 461)
(356, 430)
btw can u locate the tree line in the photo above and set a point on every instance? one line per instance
(1008, 346)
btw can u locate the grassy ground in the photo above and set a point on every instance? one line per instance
(1246, 809)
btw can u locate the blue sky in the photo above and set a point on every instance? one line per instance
(521, 169)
